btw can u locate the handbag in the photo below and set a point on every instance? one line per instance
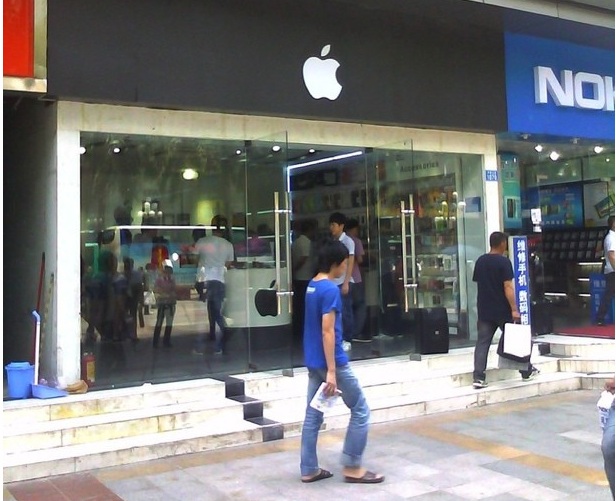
(515, 343)
(149, 298)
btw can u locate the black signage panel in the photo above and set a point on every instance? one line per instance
(435, 63)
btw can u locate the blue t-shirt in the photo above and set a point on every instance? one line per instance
(491, 272)
(322, 297)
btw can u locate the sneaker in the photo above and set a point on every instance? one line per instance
(346, 346)
(534, 373)
(479, 383)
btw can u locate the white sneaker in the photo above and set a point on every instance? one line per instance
(346, 346)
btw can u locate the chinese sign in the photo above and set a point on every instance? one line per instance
(597, 289)
(518, 250)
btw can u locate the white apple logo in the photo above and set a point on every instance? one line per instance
(320, 76)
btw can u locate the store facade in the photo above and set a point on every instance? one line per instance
(558, 156)
(260, 118)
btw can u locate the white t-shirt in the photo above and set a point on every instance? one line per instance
(214, 253)
(350, 245)
(609, 244)
(302, 247)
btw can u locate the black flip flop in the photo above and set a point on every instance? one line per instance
(323, 474)
(368, 478)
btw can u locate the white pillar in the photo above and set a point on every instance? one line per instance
(493, 208)
(67, 327)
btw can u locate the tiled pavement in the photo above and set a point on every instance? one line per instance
(539, 449)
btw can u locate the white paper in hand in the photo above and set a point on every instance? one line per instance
(322, 402)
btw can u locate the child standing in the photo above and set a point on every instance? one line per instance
(166, 299)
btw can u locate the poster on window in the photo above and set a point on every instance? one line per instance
(598, 204)
(561, 205)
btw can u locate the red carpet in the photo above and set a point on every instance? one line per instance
(602, 331)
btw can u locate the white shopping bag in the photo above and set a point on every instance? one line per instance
(516, 343)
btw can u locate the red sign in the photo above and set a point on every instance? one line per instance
(19, 38)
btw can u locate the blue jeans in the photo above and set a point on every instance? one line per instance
(607, 448)
(348, 320)
(214, 297)
(357, 431)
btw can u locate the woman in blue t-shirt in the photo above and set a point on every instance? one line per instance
(328, 363)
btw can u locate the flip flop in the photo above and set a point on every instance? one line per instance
(323, 474)
(368, 478)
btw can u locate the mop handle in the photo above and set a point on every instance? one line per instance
(37, 341)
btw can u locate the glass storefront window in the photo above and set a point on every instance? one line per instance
(150, 205)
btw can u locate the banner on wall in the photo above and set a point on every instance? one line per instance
(518, 254)
(512, 205)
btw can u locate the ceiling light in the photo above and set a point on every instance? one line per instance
(539, 148)
(525, 136)
(82, 150)
(312, 151)
(238, 152)
(190, 174)
(116, 149)
(554, 156)
(328, 159)
(598, 149)
(276, 148)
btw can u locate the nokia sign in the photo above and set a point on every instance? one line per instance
(583, 90)
(559, 88)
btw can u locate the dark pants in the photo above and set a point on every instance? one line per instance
(485, 335)
(165, 312)
(608, 296)
(348, 323)
(358, 293)
(215, 296)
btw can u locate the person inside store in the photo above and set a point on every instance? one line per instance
(358, 292)
(609, 249)
(496, 304)
(302, 256)
(328, 366)
(166, 299)
(337, 222)
(216, 255)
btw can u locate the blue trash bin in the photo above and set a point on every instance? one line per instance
(20, 376)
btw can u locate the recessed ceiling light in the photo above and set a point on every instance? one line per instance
(554, 156)
(311, 151)
(116, 149)
(276, 148)
(539, 148)
(82, 150)
(598, 149)
(190, 174)
(238, 152)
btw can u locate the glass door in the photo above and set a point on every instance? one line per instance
(265, 232)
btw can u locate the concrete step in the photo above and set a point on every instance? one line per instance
(109, 401)
(595, 381)
(425, 400)
(573, 346)
(98, 427)
(587, 365)
(119, 451)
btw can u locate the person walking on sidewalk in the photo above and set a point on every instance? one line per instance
(337, 223)
(609, 248)
(166, 299)
(496, 304)
(328, 363)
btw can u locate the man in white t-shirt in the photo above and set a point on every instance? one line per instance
(304, 266)
(337, 220)
(215, 256)
(609, 249)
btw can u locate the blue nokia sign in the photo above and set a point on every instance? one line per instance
(559, 88)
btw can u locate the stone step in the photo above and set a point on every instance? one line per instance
(573, 346)
(426, 401)
(109, 401)
(93, 428)
(595, 381)
(401, 385)
(119, 451)
(587, 365)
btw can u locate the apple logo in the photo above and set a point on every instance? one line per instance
(320, 76)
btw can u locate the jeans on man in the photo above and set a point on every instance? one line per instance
(357, 432)
(214, 297)
(485, 335)
(607, 448)
(348, 323)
